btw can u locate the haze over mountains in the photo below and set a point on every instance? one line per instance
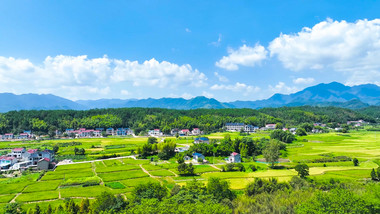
(332, 94)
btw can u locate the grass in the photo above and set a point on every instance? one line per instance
(91, 191)
(37, 196)
(67, 174)
(87, 181)
(123, 175)
(137, 181)
(12, 188)
(116, 168)
(73, 166)
(151, 167)
(115, 185)
(6, 198)
(205, 168)
(161, 173)
(42, 186)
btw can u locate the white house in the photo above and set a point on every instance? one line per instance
(184, 132)
(174, 131)
(19, 153)
(8, 136)
(181, 149)
(197, 156)
(196, 131)
(234, 158)
(7, 162)
(97, 133)
(250, 128)
(270, 126)
(155, 132)
(110, 131)
(234, 127)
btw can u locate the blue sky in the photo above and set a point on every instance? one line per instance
(229, 50)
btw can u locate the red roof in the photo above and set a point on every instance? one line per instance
(8, 134)
(185, 130)
(18, 149)
(32, 150)
(45, 159)
(234, 153)
(6, 158)
(195, 129)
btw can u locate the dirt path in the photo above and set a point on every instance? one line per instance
(173, 173)
(14, 199)
(212, 165)
(155, 177)
(96, 174)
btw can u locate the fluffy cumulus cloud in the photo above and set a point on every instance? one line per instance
(332, 45)
(237, 87)
(244, 56)
(282, 88)
(79, 76)
(159, 74)
(220, 77)
(301, 80)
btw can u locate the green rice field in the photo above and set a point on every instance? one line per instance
(121, 175)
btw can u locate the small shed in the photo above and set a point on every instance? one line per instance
(43, 164)
(234, 158)
(197, 156)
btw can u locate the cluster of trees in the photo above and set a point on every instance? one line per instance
(164, 150)
(143, 119)
(246, 146)
(260, 196)
(375, 174)
(284, 136)
(80, 151)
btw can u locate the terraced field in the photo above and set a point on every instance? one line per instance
(121, 175)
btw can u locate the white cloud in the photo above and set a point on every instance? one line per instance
(238, 87)
(363, 77)
(79, 77)
(244, 56)
(282, 88)
(188, 30)
(217, 43)
(220, 77)
(303, 80)
(333, 46)
(125, 92)
(184, 95)
(207, 94)
(159, 74)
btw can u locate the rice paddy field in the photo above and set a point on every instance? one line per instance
(87, 179)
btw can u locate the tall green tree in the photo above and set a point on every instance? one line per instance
(219, 189)
(302, 170)
(271, 152)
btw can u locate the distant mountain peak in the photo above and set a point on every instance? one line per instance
(324, 94)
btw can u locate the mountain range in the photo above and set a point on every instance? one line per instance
(331, 94)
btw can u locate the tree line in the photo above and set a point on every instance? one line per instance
(143, 119)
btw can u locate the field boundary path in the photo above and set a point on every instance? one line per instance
(173, 173)
(95, 173)
(91, 161)
(213, 166)
(154, 177)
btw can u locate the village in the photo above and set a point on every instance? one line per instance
(36, 159)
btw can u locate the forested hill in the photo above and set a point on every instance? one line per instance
(332, 94)
(143, 119)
